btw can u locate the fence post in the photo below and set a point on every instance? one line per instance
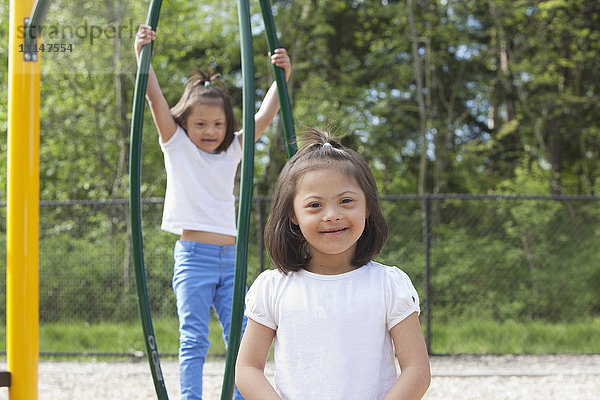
(426, 245)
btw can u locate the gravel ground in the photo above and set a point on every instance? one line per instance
(546, 377)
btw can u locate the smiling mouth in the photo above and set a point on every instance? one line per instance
(334, 230)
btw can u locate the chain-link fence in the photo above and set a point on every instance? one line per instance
(492, 258)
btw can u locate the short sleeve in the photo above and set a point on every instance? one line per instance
(401, 297)
(259, 304)
(236, 146)
(174, 140)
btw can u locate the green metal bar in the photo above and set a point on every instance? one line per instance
(241, 256)
(282, 90)
(39, 12)
(33, 28)
(135, 211)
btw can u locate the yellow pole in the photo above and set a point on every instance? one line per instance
(22, 314)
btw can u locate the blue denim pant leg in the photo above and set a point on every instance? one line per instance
(223, 299)
(203, 278)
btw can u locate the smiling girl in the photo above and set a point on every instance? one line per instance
(202, 151)
(335, 316)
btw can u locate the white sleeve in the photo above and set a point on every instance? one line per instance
(259, 300)
(237, 146)
(401, 297)
(177, 137)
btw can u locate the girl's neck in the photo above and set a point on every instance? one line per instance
(332, 265)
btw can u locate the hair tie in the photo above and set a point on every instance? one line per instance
(327, 145)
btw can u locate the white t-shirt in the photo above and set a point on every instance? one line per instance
(332, 337)
(199, 193)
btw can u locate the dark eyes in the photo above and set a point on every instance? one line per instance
(216, 124)
(317, 205)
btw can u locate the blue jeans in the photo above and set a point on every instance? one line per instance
(203, 278)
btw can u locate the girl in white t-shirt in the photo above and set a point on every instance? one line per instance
(335, 316)
(202, 152)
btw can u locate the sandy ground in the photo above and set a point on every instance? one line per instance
(547, 377)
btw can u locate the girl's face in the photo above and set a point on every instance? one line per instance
(206, 126)
(330, 210)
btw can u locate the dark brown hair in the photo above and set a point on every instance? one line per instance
(206, 89)
(287, 247)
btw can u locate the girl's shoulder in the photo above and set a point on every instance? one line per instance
(178, 137)
(393, 279)
(261, 295)
(401, 297)
(236, 144)
(269, 277)
(387, 271)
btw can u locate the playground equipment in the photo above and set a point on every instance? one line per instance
(245, 187)
(22, 200)
(23, 193)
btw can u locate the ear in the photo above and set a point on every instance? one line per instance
(293, 219)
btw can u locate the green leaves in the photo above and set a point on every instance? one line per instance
(503, 80)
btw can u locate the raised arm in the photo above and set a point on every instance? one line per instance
(411, 352)
(156, 100)
(250, 376)
(270, 105)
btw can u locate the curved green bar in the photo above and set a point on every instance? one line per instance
(245, 187)
(245, 203)
(34, 27)
(282, 90)
(135, 211)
